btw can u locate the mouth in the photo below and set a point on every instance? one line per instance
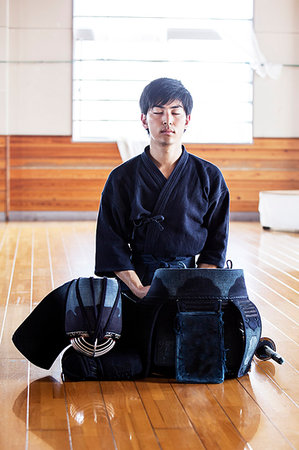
(168, 132)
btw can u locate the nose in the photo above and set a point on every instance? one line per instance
(167, 118)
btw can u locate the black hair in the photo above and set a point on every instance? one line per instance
(162, 91)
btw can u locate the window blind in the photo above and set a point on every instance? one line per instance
(119, 47)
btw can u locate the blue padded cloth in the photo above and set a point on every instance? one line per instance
(200, 352)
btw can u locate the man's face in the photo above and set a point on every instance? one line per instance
(166, 123)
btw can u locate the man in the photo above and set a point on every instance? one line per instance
(164, 207)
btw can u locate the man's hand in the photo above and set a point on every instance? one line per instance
(131, 279)
(141, 292)
(206, 266)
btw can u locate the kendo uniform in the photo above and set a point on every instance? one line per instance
(143, 213)
(146, 222)
(195, 325)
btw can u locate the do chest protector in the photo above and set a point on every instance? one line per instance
(199, 324)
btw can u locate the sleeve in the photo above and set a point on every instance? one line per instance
(35, 338)
(216, 221)
(113, 233)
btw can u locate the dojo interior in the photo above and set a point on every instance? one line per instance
(50, 187)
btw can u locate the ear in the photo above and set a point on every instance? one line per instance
(144, 121)
(188, 118)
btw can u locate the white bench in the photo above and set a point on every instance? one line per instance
(279, 210)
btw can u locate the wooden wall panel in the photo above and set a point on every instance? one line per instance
(267, 164)
(61, 151)
(3, 173)
(52, 173)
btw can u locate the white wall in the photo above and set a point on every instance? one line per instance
(276, 102)
(3, 68)
(35, 87)
(36, 39)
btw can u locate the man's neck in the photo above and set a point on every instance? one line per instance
(165, 157)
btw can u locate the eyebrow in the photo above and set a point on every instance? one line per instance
(172, 107)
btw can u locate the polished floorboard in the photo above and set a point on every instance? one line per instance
(39, 411)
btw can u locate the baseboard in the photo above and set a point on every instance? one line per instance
(41, 216)
(32, 216)
(244, 216)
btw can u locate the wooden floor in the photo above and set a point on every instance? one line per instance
(38, 411)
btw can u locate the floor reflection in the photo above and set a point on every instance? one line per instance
(242, 408)
(48, 408)
(57, 409)
(95, 410)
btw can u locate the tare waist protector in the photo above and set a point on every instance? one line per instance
(199, 323)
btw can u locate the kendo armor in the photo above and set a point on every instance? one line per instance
(199, 325)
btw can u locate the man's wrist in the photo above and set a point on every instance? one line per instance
(206, 266)
(131, 279)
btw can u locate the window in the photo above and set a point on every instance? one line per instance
(121, 46)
